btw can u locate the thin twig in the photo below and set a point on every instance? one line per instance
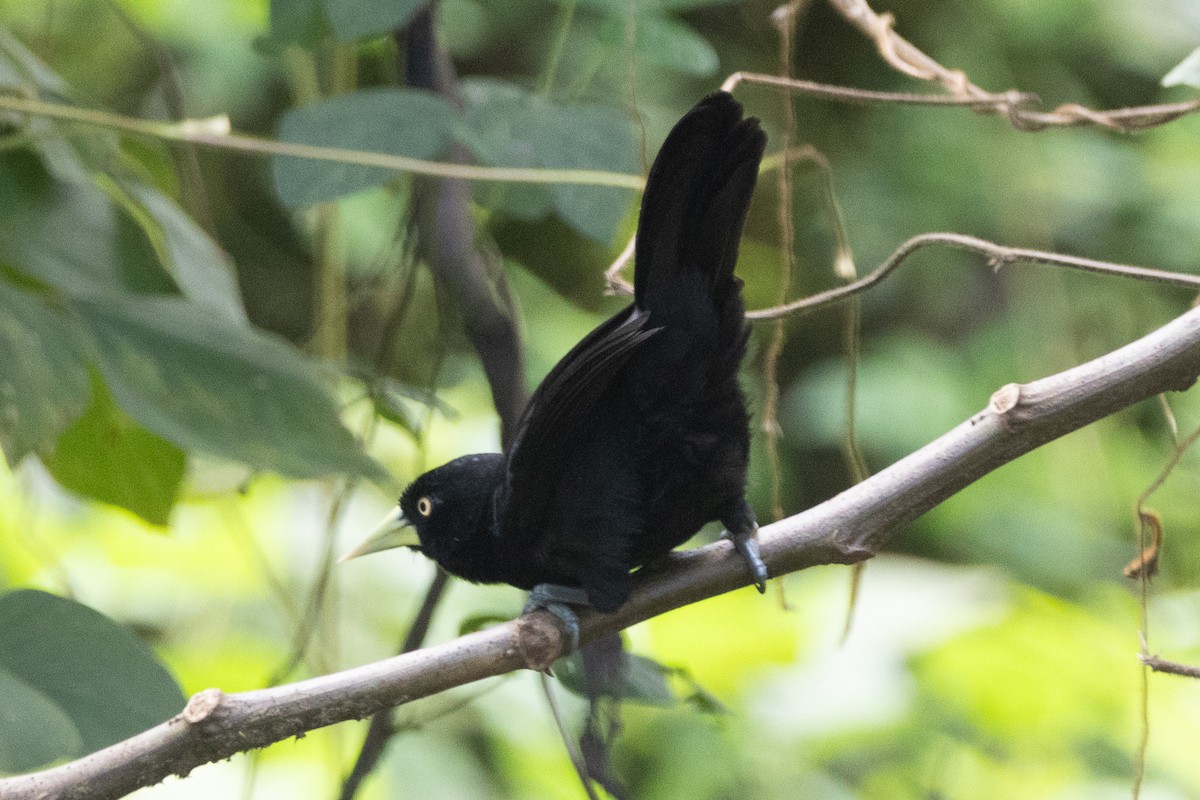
(909, 60)
(1144, 565)
(447, 240)
(1171, 667)
(785, 18)
(1172, 463)
(997, 255)
(849, 94)
(573, 753)
(215, 132)
(612, 276)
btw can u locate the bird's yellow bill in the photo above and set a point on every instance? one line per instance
(392, 531)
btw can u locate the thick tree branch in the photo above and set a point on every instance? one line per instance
(848, 528)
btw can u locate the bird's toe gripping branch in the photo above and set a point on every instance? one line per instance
(746, 543)
(558, 600)
(742, 529)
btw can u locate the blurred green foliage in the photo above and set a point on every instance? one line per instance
(146, 291)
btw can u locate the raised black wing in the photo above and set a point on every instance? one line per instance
(551, 431)
(566, 399)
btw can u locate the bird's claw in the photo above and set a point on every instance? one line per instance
(747, 545)
(558, 600)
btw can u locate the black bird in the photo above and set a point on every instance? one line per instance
(639, 435)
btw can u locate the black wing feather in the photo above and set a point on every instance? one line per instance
(563, 402)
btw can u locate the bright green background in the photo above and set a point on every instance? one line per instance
(993, 653)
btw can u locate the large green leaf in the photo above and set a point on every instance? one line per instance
(21, 69)
(105, 680)
(219, 388)
(355, 19)
(69, 233)
(296, 21)
(43, 375)
(198, 265)
(508, 126)
(403, 122)
(589, 137)
(498, 129)
(25, 746)
(659, 39)
(106, 456)
(666, 43)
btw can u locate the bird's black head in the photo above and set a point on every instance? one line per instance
(450, 505)
(446, 514)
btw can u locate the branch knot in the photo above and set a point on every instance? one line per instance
(540, 640)
(201, 706)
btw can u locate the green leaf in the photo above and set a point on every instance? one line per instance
(103, 678)
(1186, 73)
(43, 374)
(505, 125)
(24, 746)
(400, 404)
(68, 233)
(498, 129)
(398, 412)
(402, 122)
(356, 19)
(296, 21)
(219, 388)
(498, 122)
(663, 42)
(700, 697)
(104, 455)
(644, 682)
(199, 267)
(589, 137)
(21, 69)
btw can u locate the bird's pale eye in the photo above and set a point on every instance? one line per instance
(424, 506)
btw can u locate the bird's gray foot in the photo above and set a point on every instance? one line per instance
(747, 545)
(742, 530)
(558, 600)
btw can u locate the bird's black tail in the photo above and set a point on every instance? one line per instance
(695, 202)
